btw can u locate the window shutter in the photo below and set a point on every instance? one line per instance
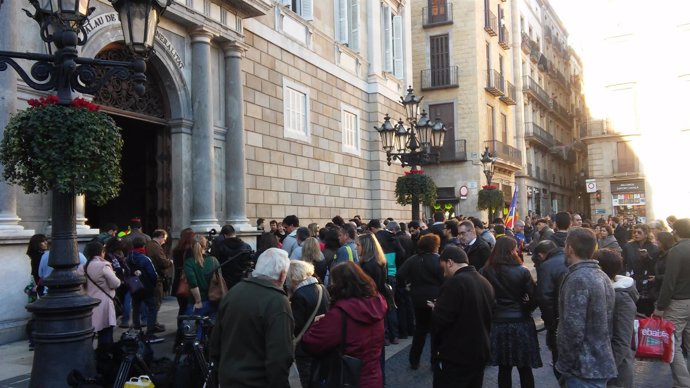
(397, 47)
(341, 12)
(387, 40)
(354, 27)
(307, 11)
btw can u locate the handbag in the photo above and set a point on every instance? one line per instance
(119, 309)
(654, 339)
(182, 290)
(217, 288)
(337, 370)
(319, 291)
(134, 284)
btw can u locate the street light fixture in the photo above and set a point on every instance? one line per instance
(414, 145)
(488, 160)
(62, 319)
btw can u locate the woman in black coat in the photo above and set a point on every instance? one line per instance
(304, 294)
(513, 333)
(424, 275)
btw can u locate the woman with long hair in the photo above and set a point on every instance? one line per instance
(304, 288)
(514, 340)
(311, 253)
(182, 250)
(38, 243)
(424, 274)
(606, 239)
(354, 301)
(639, 257)
(198, 269)
(101, 283)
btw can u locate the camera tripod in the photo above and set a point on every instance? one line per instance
(130, 347)
(193, 347)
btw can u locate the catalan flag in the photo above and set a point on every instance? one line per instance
(512, 212)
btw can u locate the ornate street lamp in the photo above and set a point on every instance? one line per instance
(62, 319)
(488, 160)
(416, 144)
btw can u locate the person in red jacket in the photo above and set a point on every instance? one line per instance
(354, 294)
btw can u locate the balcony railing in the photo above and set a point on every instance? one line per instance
(503, 38)
(532, 88)
(438, 15)
(561, 112)
(536, 133)
(457, 153)
(494, 82)
(490, 23)
(510, 97)
(445, 77)
(504, 151)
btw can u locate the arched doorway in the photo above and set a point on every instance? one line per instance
(145, 192)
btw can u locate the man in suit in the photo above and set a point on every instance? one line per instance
(477, 249)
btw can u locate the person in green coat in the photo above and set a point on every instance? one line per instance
(198, 269)
(251, 343)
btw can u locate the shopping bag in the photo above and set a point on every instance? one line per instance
(654, 339)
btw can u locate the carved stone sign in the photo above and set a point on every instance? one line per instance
(97, 23)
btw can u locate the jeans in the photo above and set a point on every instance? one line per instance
(126, 307)
(447, 375)
(576, 382)
(149, 300)
(207, 309)
(423, 318)
(551, 344)
(678, 312)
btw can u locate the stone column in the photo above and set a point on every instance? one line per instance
(235, 162)
(82, 227)
(203, 184)
(9, 36)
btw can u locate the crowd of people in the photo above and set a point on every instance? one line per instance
(352, 288)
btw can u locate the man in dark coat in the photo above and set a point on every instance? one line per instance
(233, 254)
(477, 249)
(562, 225)
(252, 340)
(461, 323)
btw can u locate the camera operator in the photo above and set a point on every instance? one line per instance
(226, 248)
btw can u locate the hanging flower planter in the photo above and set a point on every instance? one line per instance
(415, 182)
(73, 149)
(490, 198)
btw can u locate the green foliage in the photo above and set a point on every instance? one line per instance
(68, 149)
(415, 184)
(491, 199)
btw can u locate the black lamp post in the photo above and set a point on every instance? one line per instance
(414, 145)
(62, 319)
(488, 160)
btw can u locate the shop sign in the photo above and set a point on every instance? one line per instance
(631, 186)
(599, 211)
(630, 199)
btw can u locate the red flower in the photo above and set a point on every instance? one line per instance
(489, 187)
(412, 172)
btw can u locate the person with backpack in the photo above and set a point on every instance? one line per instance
(142, 267)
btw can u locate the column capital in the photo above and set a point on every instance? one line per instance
(235, 48)
(202, 34)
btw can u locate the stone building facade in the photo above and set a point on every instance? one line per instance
(254, 108)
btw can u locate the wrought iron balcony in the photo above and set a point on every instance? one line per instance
(561, 112)
(445, 77)
(525, 43)
(457, 152)
(490, 23)
(504, 151)
(494, 83)
(503, 38)
(437, 15)
(536, 92)
(510, 97)
(536, 134)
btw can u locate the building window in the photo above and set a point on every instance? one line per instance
(350, 127)
(438, 11)
(296, 111)
(627, 160)
(504, 128)
(392, 43)
(304, 8)
(347, 23)
(452, 150)
(490, 124)
(440, 60)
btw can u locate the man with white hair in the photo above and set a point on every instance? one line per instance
(251, 342)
